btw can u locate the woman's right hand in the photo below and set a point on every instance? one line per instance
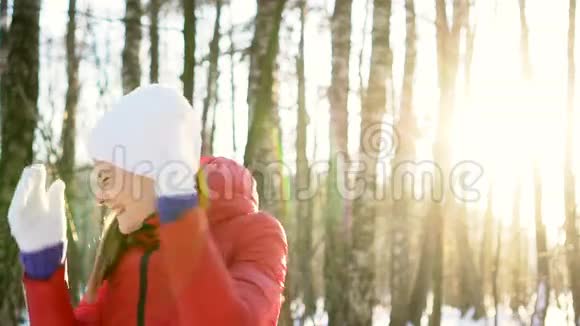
(38, 222)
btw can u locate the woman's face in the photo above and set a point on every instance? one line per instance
(130, 196)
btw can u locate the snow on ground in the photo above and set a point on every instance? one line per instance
(451, 316)
(556, 316)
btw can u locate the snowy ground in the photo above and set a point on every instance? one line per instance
(451, 317)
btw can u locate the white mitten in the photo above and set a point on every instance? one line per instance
(175, 178)
(38, 222)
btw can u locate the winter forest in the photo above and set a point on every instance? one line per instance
(420, 154)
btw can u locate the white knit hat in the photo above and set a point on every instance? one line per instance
(146, 129)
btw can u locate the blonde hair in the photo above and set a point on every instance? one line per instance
(111, 247)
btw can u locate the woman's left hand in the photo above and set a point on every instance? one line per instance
(179, 157)
(38, 222)
(175, 177)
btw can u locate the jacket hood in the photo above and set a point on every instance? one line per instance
(227, 187)
(226, 190)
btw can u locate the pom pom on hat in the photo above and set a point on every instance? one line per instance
(146, 129)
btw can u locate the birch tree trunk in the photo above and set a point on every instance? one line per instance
(543, 287)
(4, 26)
(472, 292)
(495, 273)
(524, 42)
(336, 235)
(261, 155)
(362, 274)
(131, 72)
(232, 84)
(263, 145)
(304, 209)
(67, 161)
(189, 21)
(422, 282)
(431, 259)
(339, 88)
(518, 286)
(212, 78)
(407, 130)
(19, 95)
(486, 254)
(471, 296)
(447, 64)
(154, 8)
(572, 246)
(526, 68)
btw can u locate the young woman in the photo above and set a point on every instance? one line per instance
(176, 251)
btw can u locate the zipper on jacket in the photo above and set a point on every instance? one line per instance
(143, 287)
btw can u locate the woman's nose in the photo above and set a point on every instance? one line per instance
(100, 197)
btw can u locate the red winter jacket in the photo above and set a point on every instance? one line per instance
(223, 265)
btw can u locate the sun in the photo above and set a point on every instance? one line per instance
(509, 129)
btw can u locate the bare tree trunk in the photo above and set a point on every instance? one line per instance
(336, 239)
(361, 88)
(431, 259)
(131, 74)
(263, 145)
(543, 289)
(435, 318)
(212, 80)
(422, 282)
(572, 246)
(518, 295)
(233, 83)
(262, 148)
(525, 263)
(527, 76)
(336, 248)
(362, 295)
(447, 58)
(4, 42)
(4, 26)
(406, 121)
(304, 209)
(19, 95)
(189, 22)
(469, 50)
(338, 91)
(472, 293)
(471, 296)
(212, 131)
(524, 42)
(66, 165)
(407, 131)
(495, 274)
(486, 244)
(543, 283)
(154, 7)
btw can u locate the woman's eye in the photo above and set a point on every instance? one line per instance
(105, 181)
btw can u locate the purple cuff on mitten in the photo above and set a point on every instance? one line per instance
(42, 264)
(170, 208)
